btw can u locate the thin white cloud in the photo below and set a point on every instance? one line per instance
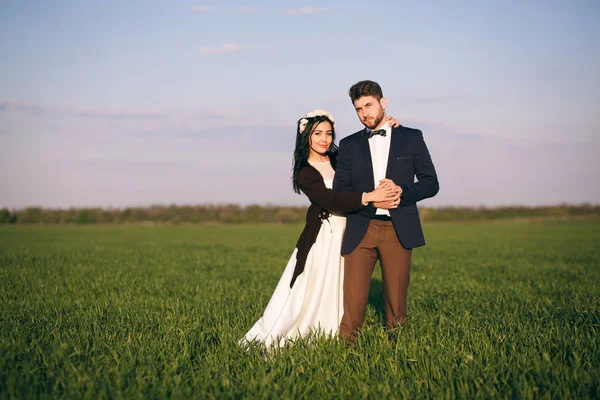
(110, 114)
(204, 9)
(6, 106)
(305, 11)
(225, 49)
(57, 110)
(246, 10)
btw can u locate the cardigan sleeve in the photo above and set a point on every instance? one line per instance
(311, 183)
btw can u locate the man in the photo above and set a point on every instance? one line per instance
(389, 230)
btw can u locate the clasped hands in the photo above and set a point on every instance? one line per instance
(386, 195)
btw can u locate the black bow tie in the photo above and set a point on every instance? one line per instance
(376, 132)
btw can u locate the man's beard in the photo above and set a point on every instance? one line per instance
(376, 121)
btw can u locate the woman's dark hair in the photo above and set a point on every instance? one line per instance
(302, 149)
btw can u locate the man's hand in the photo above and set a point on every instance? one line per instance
(386, 205)
(390, 183)
(394, 201)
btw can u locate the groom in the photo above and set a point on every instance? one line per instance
(388, 230)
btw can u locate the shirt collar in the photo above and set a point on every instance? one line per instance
(386, 127)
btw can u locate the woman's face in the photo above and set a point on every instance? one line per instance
(321, 138)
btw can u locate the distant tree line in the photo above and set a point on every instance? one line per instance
(235, 214)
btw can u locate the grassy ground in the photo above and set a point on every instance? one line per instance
(497, 309)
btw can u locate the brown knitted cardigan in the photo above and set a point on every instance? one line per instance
(323, 201)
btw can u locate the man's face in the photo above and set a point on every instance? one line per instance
(370, 111)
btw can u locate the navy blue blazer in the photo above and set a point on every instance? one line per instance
(408, 158)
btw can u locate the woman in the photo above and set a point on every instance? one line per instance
(309, 297)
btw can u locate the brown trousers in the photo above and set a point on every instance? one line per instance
(380, 242)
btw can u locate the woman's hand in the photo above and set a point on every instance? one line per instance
(384, 192)
(393, 122)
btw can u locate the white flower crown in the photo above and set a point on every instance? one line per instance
(316, 113)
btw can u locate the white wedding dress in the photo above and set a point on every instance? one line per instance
(315, 302)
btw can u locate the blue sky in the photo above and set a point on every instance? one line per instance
(125, 103)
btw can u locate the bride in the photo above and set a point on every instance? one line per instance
(309, 295)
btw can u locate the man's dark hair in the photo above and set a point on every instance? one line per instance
(365, 88)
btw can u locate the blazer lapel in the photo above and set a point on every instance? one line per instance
(395, 143)
(365, 150)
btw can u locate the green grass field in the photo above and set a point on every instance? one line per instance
(497, 310)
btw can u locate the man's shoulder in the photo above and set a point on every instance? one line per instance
(409, 133)
(353, 137)
(405, 130)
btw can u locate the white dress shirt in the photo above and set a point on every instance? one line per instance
(380, 151)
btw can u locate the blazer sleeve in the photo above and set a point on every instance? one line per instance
(311, 183)
(427, 184)
(342, 181)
